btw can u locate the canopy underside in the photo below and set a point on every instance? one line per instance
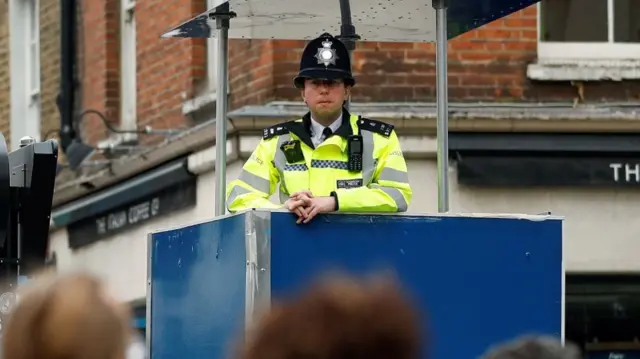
(374, 20)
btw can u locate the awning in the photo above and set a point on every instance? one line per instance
(534, 159)
(123, 193)
(544, 142)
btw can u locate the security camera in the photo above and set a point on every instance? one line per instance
(27, 180)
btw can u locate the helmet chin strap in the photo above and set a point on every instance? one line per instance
(347, 101)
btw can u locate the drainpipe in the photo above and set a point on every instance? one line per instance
(66, 97)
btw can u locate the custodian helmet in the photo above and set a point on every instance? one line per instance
(325, 58)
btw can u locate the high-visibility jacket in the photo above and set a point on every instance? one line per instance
(381, 186)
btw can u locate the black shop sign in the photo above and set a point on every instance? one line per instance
(532, 171)
(133, 214)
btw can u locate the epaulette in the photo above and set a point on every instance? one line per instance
(378, 127)
(275, 130)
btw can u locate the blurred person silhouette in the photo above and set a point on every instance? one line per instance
(339, 318)
(69, 316)
(533, 347)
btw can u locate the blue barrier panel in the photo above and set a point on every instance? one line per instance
(480, 279)
(197, 292)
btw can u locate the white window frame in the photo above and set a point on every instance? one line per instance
(34, 51)
(128, 64)
(25, 70)
(587, 51)
(207, 94)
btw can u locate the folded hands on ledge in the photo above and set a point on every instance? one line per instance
(306, 206)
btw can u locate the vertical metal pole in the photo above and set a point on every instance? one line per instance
(348, 103)
(347, 35)
(222, 24)
(443, 105)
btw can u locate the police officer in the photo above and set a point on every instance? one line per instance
(329, 160)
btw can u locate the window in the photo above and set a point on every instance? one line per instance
(34, 51)
(199, 107)
(24, 55)
(128, 83)
(32, 127)
(602, 315)
(589, 29)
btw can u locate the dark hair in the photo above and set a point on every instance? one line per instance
(340, 318)
(533, 347)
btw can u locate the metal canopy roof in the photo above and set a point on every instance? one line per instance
(374, 20)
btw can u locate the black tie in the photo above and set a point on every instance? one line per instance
(327, 132)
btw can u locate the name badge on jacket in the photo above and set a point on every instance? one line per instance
(351, 183)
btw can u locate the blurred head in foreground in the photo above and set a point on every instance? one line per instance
(533, 348)
(339, 319)
(66, 317)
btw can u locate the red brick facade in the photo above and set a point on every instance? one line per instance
(98, 62)
(168, 69)
(488, 64)
(485, 64)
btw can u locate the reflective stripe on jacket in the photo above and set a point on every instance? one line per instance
(381, 186)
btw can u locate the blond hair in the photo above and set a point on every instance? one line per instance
(66, 317)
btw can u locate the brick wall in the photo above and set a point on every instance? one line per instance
(169, 70)
(485, 64)
(252, 71)
(98, 64)
(488, 64)
(5, 99)
(50, 64)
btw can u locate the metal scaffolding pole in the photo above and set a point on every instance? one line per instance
(443, 104)
(222, 16)
(347, 34)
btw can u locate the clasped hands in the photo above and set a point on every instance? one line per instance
(306, 206)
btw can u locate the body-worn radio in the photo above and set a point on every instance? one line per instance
(292, 151)
(354, 151)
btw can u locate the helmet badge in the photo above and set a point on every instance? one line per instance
(326, 55)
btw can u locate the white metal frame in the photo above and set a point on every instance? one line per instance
(128, 64)
(25, 69)
(212, 54)
(587, 51)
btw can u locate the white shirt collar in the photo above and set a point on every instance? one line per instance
(317, 128)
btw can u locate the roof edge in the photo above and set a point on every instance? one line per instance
(481, 117)
(198, 137)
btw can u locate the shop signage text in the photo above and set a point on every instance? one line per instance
(135, 214)
(125, 217)
(625, 172)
